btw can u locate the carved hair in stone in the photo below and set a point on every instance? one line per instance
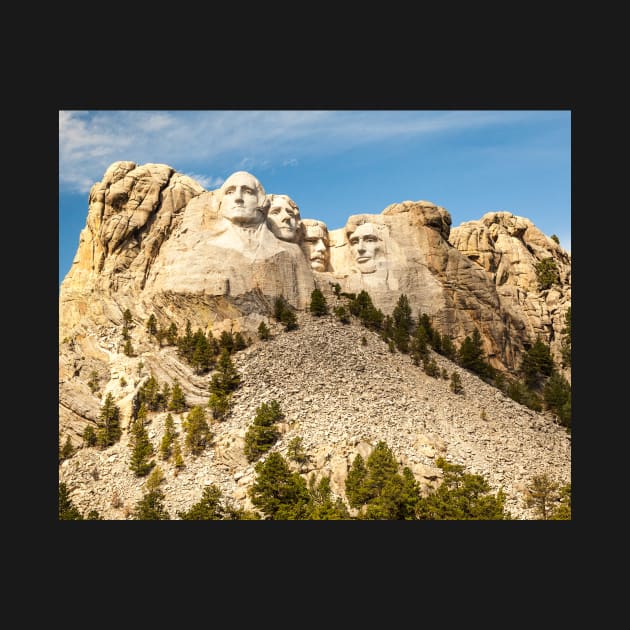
(315, 244)
(366, 246)
(243, 200)
(284, 218)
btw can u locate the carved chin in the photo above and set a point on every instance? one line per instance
(285, 234)
(368, 266)
(318, 265)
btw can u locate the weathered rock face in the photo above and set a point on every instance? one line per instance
(508, 248)
(157, 242)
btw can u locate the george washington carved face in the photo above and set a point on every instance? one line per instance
(243, 200)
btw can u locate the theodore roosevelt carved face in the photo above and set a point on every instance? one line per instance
(366, 245)
(243, 200)
(315, 244)
(283, 218)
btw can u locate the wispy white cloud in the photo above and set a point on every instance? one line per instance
(207, 181)
(228, 140)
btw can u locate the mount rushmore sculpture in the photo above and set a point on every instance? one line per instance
(156, 242)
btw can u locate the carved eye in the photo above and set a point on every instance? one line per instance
(229, 191)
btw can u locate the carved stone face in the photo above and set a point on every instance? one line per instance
(283, 218)
(242, 199)
(316, 247)
(365, 245)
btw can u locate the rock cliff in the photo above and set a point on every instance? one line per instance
(157, 243)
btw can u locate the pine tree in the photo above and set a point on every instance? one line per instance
(397, 499)
(171, 334)
(177, 457)
(263, 331)
(565, 343)
(93, 515)
(93, 382)
(198, 434)
(185, 344)
(402, 323)
(128, 349)
(461, 496)
(155, 479)
(177, 403)
(519, 392)
(381, 465)
(208, 508)
(226, 378)
(431, 368)
(456, 383)
(557, 397)
(562, 510)
(142, 416)
(279, 493)
(471, 354)
(219, 404)
(67, 450)
(109, 423)
(321, 505)
(419, 350)
(279, 306)
(547, 273)
(239, 342)
(295, 451)
(149, 394)
(355, 480)
(202, 357)
(67, 509)
(152, 325)
(342, 314)
(448, 348)
(289, 319)
(540, 494)
(142, 449)
(151, 507)
(166, 445)
(89, 436)
(537, 363)
(318, 305)
(262, 434)
(163, 397)
(127, 318)
(226, 341)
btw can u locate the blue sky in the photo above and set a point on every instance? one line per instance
(335, 163)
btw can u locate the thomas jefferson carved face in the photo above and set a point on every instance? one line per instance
(284, 218)
(316, 245)
(243, 200)
(365, 244)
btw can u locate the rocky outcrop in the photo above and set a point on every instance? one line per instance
(157, 243)
(508, 248)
